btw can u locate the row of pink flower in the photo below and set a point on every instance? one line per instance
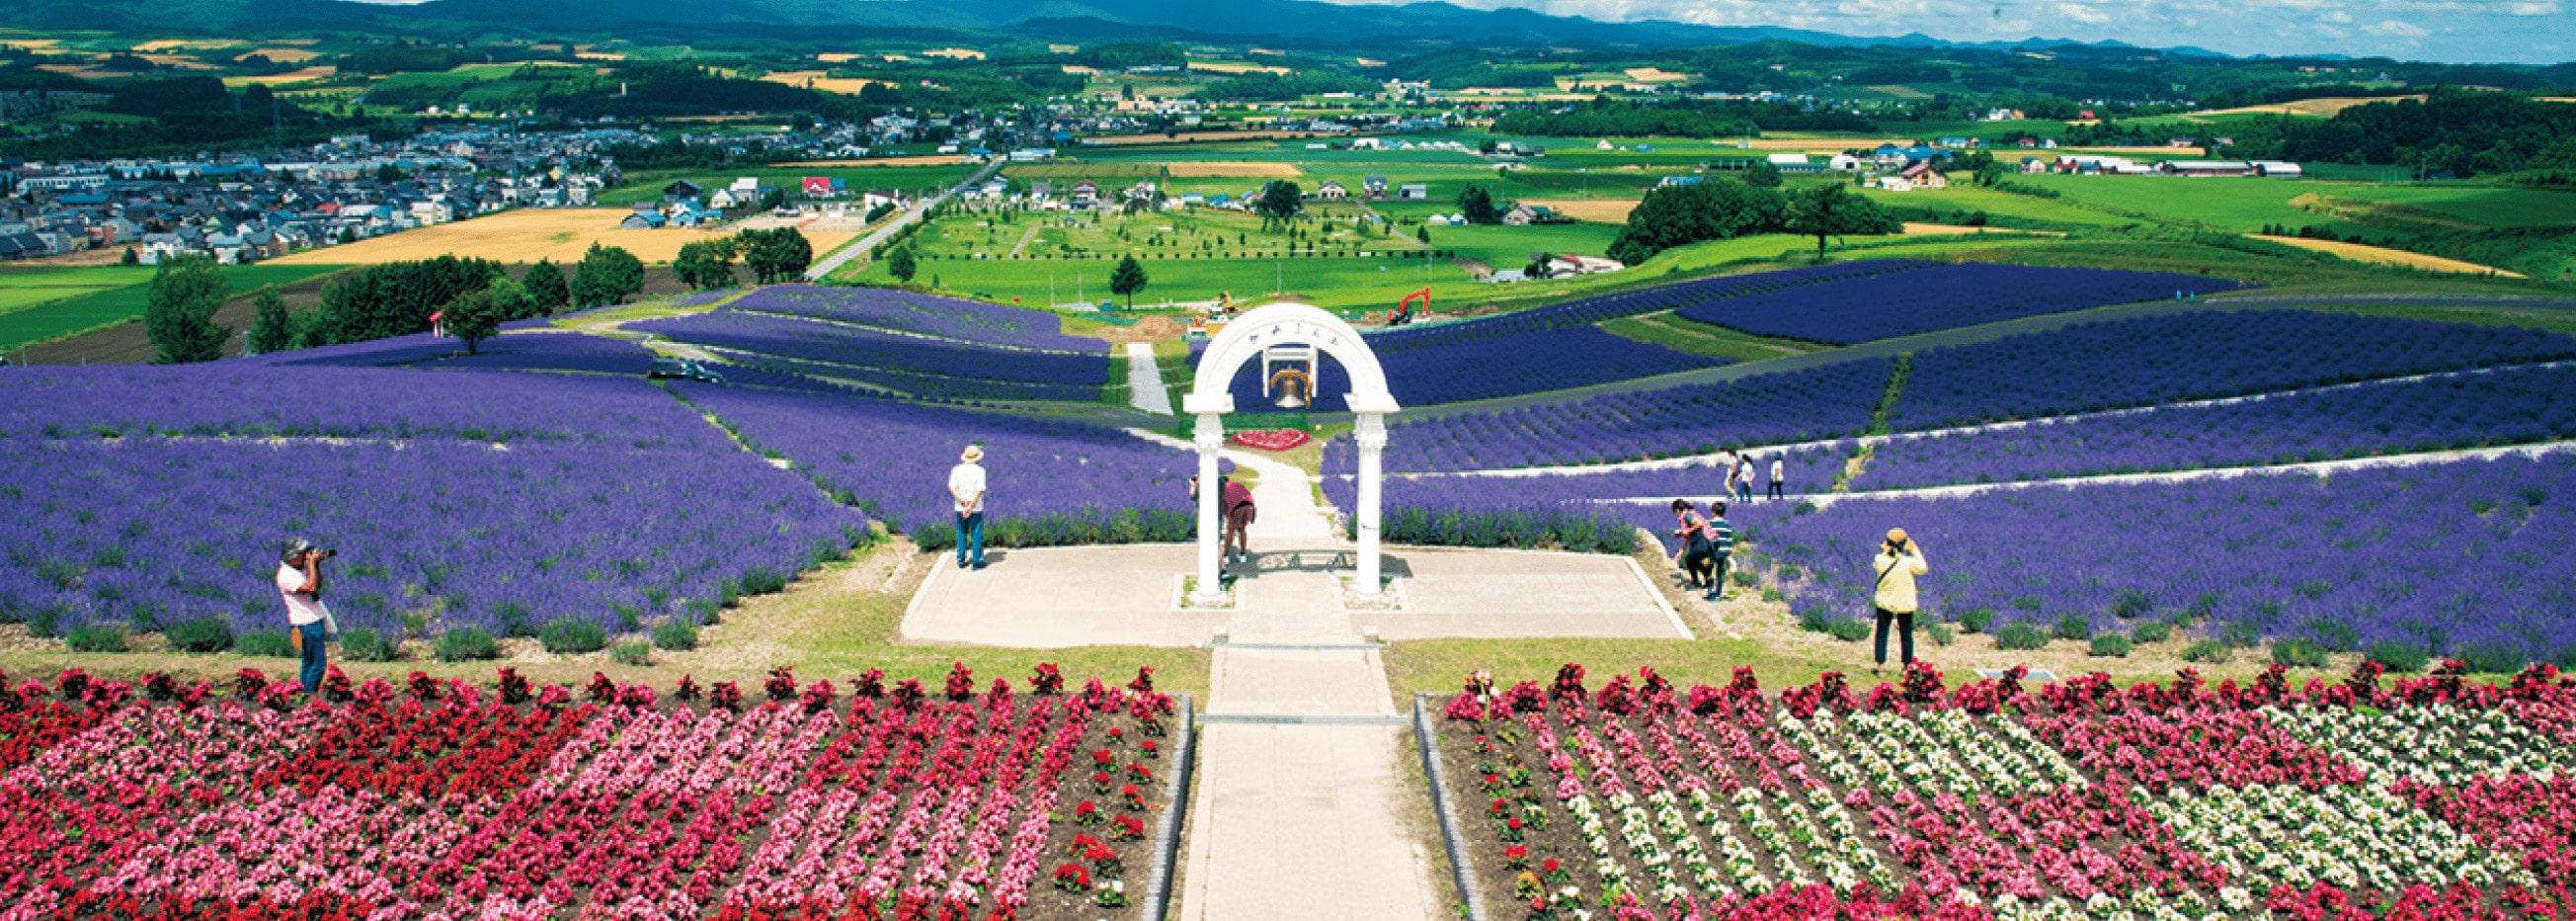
(431, 799)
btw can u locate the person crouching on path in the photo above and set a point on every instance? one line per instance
(1721, 550)
(1697, 546)
(1899, 561)
(299, 581)
(966, 485)
(1239, 515)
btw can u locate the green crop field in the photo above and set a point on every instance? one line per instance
(2486, 206)
(1510, 247)
(24, 287)
(646, 185)
(2240, 204)
(2005, 208)
(110, 306)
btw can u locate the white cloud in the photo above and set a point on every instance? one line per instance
(2081, 13)
(2534, 8)
(2395, 28)
(2338, 17)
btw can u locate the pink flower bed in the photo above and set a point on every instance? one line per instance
(1638, 799)
(441, 800)
(1270, 439)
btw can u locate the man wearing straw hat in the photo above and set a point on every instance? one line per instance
(966, 486)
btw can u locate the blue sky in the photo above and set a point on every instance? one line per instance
(2529, 31)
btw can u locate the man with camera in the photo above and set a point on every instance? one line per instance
(1899, 560)
(308, 622)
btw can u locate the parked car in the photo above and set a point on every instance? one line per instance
(684, 369)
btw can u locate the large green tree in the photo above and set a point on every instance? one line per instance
(1830, 210)
(1478, 206)
(179, 317)
(1716, 209)
(546, 288)
(606, 275)
(395, 298)
(705, 264)
(1127, 279)
(1280, 203)
(478, 315)
(274, 329)
(901, 265)
(776, 255)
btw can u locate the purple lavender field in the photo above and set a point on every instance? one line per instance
(1766, 409)
(1484, 512)
(2467, 410)
(244, 398)
(1885, 306)
(526, 351)
(610, 502)
(1683, 295)
(1467, 365)
(919, 314)
(1052, 482)
(2451, 559)
(911, 364)
(2140, 362)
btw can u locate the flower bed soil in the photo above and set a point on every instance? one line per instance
(1638, 800)
(437, 799)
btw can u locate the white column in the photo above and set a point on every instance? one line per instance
(1370, 434)
(1210, 440)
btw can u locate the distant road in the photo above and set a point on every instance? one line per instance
(842, 256)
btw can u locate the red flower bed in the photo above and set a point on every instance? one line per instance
(1270, 439)
(434, 800)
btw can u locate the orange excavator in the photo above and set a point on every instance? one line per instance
(1403, 312)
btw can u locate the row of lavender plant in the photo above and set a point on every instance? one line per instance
(531, 351)
(1765, 409)
(236, 398)
(1590, 310)
(1863, 309)
(2145, 361)
(944, 317)
(2469, 410)
(1462, 512)
(2455, 559)
(1492, 367)
(662, 520)
(1052, 482)
(910, 364)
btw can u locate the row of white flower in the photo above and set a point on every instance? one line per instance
(2436, 744)
(2352, 837)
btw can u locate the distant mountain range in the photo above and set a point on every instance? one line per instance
(1297, 23)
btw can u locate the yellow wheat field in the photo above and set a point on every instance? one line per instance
(292, 76)
(2321, 107)
(1602, 210)
(285, 55)
(2361, 252)
(1655, 75)
(526, 235)
(815, 79)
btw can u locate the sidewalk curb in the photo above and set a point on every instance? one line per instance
(1158, 879)
(1465, 874)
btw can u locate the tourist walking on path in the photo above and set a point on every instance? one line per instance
(308, 622)
(1721, 539)
(1698, 547)
(1899, 561)
(966, 485)
(1779, 470)
(1744, 479)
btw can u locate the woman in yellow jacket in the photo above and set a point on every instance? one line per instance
(1899, 561)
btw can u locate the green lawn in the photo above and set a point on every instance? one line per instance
(1506, 247)
(117, 305)
(2487, 206)
(2003, 209)
(2242, 205)
(646, 185)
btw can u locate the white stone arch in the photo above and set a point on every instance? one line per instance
(1211, 397)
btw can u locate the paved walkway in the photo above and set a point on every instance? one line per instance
(1145, 389)
(1304, 808)
(860, 246)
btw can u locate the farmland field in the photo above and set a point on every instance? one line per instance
(107, 295)
(526, 235)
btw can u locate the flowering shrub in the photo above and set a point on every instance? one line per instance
(443, 800)
(2073, 800)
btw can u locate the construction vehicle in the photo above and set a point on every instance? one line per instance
(1403, 312)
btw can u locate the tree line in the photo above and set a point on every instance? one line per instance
(1604, 117)
(1723, 209)
(472, 296)
(773, 256)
